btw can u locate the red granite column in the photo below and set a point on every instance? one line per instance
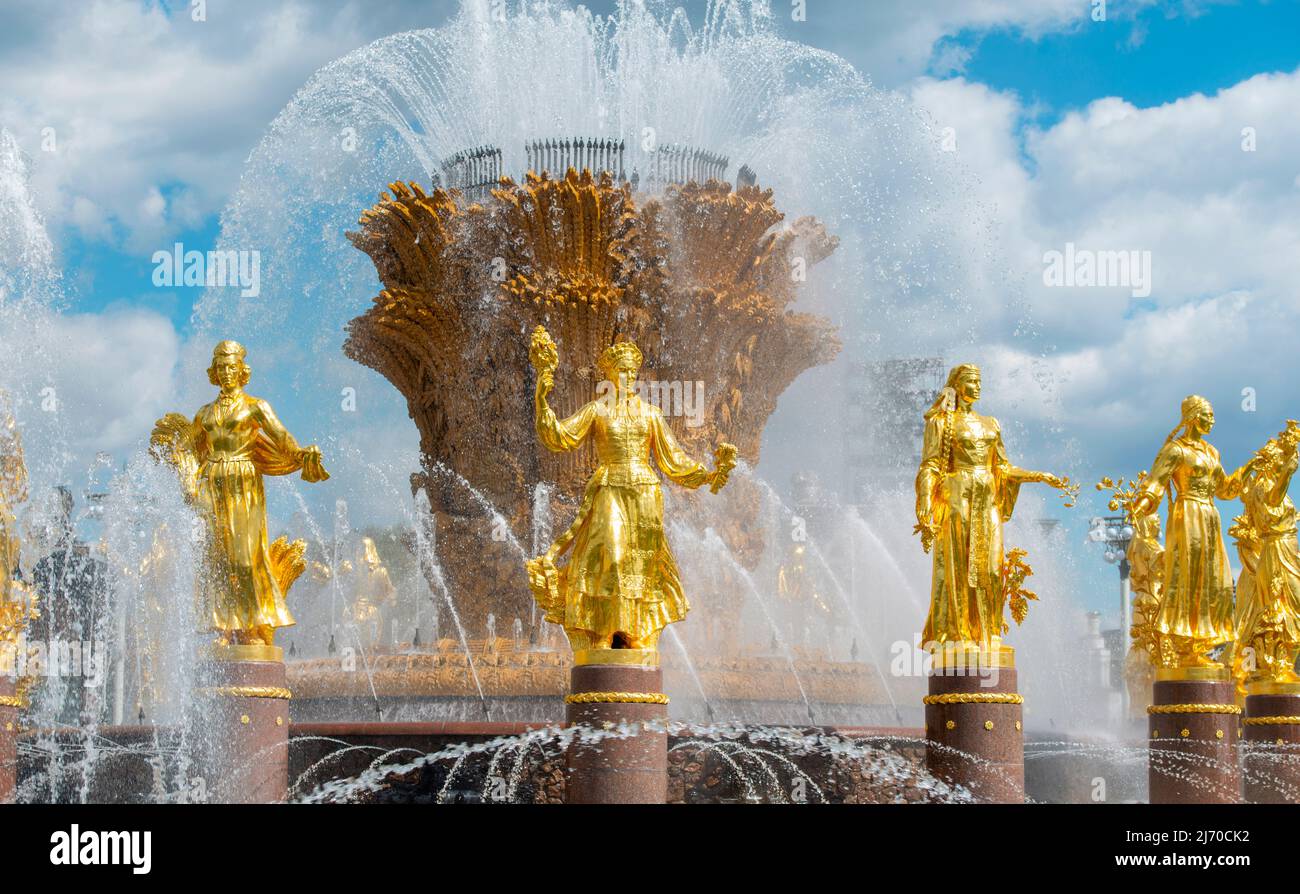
(973, 726)
(1271, 756)
(245, 720)
(1192, 747)
(11, 705)
(618, 769)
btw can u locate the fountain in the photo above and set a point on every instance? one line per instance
(706, 192)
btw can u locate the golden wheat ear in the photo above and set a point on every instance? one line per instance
(287, 562)
(171, 438)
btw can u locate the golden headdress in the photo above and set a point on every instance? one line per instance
(617, 356)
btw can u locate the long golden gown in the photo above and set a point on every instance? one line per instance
(621, 576)
(237, 440)
(968, 501)
(1196, 604)
(1268, 591)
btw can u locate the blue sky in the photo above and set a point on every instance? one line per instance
(1154, 56)
(1072, 130)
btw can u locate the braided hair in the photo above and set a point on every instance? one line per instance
(946, 403)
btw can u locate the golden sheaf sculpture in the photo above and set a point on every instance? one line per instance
(1195, 613)
(621, 585)
(966, 488)
(220, 457)
(1267, 616)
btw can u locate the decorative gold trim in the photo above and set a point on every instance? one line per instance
(624, 657)
(1197, 708)
(974, 698)
(1200, 674)
(969, 655)
(248, 691)
(235, 652)
(1272, 687)
(13, 701)
(616, 698)
(1272, 720)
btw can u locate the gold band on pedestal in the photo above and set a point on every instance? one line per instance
(1272, 687)
(621, 657)
(13, 701)
(1272, 720)
(1199, 674)
(954, 655)
(248, 652)
(974, 698)
(1196, 708)
(248, 691)
(616, 698)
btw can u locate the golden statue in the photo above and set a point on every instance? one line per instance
(966, 488)
(373, 595)
(1195, 612)
(221, 457)
(1268, 592)
(17, 600)
(621, 586)
(1146, 561)
(796, 584)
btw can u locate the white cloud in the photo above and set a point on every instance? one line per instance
(114, 375)
(142, 103)
(1221, 225)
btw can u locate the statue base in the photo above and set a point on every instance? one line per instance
(1192, 733)
(617, 768)
(1271, 732)
(10, 708)
(973, 725)
(243, 724)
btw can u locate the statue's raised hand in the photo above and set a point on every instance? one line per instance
(545, 357)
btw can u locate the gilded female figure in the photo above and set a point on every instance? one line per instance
(966, 488)
(621, 585)
(221, 456)
(16, 603)
(1267, 614)
(1195, 612)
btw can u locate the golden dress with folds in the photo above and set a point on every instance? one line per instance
(1268, 591)
(967, 501)
(621, 577)
(1197, 601)
(237, 440)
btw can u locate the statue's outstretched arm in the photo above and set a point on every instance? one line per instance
(307, 458)
(679, 467)
(1014, 476)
